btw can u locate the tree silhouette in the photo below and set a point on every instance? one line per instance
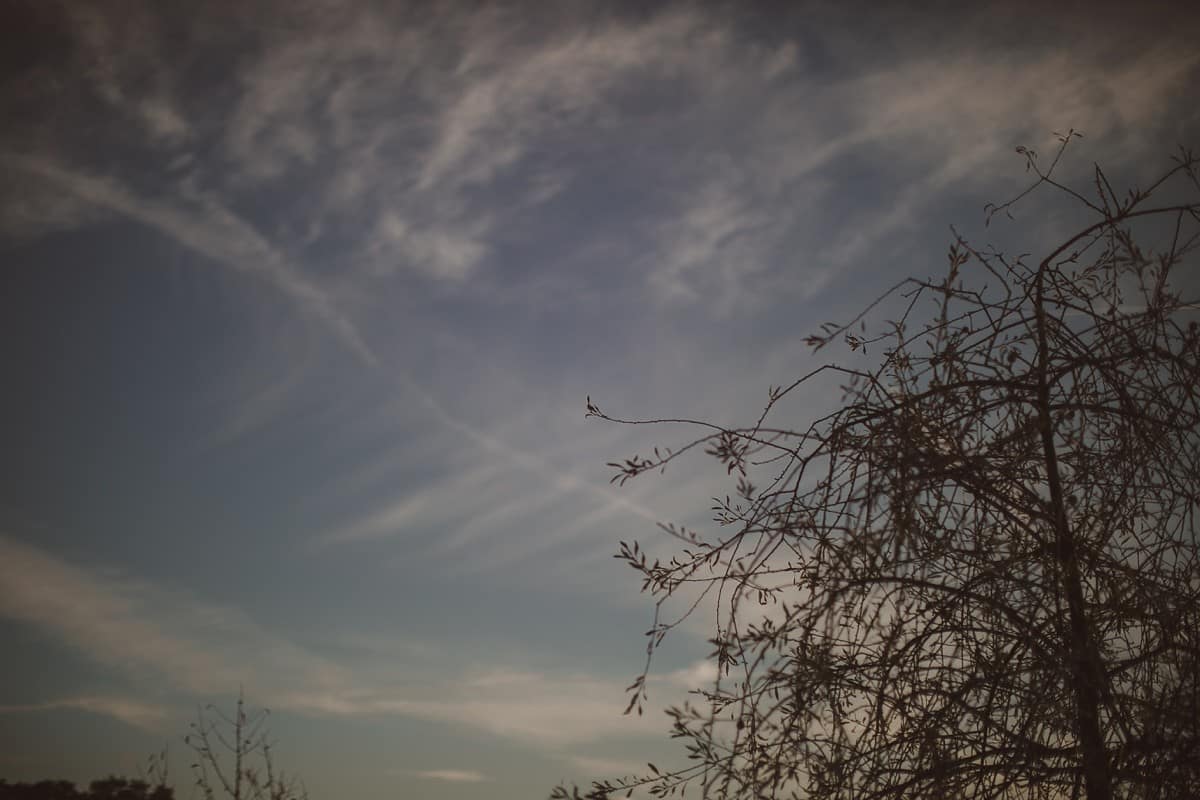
(111, 788)
(980, 576)
(123, 789)
(42, 790)
(233, 757)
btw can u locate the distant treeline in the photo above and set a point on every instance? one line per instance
(111, 788)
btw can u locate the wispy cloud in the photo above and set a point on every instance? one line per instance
(175, 643)
(207, 228)
(923, 125)
(115, 58)
(536, 709)
(451, 775)
(132, 712)
(406, 129)
(31, 209)
(520, 94)
(142, 631)
(440, 251)
(592, 766)
(479, 500)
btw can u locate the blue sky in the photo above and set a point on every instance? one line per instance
(302, 302)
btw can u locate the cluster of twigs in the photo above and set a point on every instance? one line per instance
(233, 757)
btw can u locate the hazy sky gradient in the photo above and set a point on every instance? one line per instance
(301, 303)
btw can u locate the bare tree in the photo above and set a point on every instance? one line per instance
(234, 757)
(980, 576)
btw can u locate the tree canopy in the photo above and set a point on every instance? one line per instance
(979, 576)
(110, 788)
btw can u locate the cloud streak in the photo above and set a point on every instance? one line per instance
(209, 229)
(132, 712)
(176, 643)
(205, 228)
(451, 775)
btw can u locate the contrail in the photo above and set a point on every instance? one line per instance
(226, 239)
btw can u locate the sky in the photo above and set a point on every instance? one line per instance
(302, 303)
